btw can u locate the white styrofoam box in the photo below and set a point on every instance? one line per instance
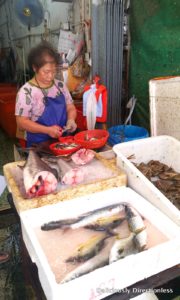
(111, 278)
(164, 93)
(150, 295)
(165, 149)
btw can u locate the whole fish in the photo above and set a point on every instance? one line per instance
(135, 221)
(99, 213)
(85, 219)
(96, 262)
(122, 248)
(88, 249)
(39, 178)
(106, 223)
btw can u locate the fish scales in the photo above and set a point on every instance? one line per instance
(122, 248)
(135, 221)
(85, 219)
(88, 249)
(105, 212)
(140, 240)
(106, 223)
(96, 262)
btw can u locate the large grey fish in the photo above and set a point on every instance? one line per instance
(88, 249)
(122, 248)
(85, 219)
(39, 178)
(96, 262)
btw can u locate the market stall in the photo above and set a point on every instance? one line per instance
(52, 232)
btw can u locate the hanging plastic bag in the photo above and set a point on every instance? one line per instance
(100, 93)
(91, 111)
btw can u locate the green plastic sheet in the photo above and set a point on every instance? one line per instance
(154, 51)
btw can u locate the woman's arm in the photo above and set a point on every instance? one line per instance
(71, 117)
(71, 111)
(25, 123)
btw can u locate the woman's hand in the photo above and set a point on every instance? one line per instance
(71, 124)
(54, 131)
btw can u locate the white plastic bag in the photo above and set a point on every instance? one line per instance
(91, 111)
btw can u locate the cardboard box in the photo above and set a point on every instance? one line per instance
(165, 149)
(111, 278)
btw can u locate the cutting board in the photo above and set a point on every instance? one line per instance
(101, 173)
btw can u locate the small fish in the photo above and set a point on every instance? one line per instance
(99, 213)
(65, 146)
(122, 248)
(140, 240)
(84, 219)
(88, 249)
(135, 221)
(96, 262)
(106, 223)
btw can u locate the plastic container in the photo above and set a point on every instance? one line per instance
(7, 89)
(124, 133)
(7, 113)
(92, 139)
(165, 149)
(104, 281)
(65, 151)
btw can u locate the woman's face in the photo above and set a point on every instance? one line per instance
(45, 75)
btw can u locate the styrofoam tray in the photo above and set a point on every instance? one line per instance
(166, 149)
(111, 278)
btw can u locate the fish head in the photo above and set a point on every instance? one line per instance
(44, 183)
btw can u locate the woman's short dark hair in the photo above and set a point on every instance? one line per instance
(37, 55)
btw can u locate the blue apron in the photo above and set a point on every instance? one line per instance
(54, 114)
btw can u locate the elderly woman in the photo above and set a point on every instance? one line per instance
(44, 105)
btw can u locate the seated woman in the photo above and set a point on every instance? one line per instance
(43, 104)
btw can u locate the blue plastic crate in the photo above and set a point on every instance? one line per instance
(124, 133)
